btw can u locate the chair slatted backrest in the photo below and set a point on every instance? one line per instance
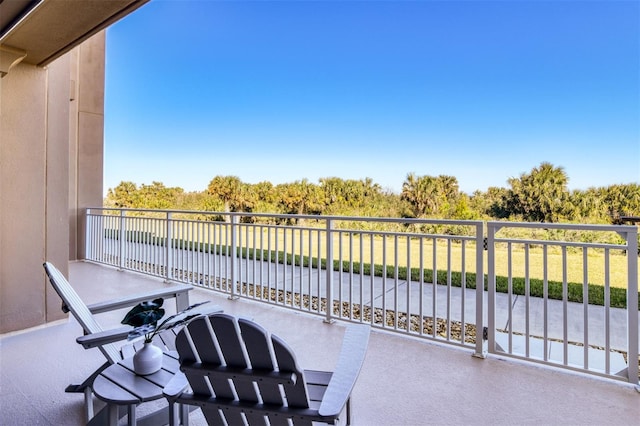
(71, 302)
(240, 345)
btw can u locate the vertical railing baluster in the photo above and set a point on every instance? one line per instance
(361, 295)
(565, 308)
(340, 274)
(234, 256)
(88, 248)
(319, 274)
(408, 275)
(372, 277)
(168, 260)
(350, 315)
(301, 265)
(607, 313)
(527, 296)
(270, 264)
(463, 291)
(421, 296)
(254, 256)
(329, 272)
(384, 281)
(545, 301)
(395, 282)
(121, 241)
(449, 282)
(585, 306)
(434, 289)
(310, 269)
(510, 295)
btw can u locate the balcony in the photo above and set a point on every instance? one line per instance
(546, 353)
(404, 381)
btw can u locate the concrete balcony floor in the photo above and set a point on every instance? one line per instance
(403, 382)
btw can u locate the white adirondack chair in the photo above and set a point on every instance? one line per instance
(246, 368)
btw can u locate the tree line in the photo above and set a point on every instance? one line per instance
(540, 195)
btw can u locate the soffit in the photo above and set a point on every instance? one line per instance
(50, 28)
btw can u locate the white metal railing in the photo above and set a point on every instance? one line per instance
(566, 330)
(423, 278)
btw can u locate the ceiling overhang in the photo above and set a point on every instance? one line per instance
(39, 31)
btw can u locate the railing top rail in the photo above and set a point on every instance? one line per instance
(562, 243)
(576, 226)
(311, 217)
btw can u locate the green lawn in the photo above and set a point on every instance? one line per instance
(408, 252)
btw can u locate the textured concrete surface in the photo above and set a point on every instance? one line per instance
(404, 381)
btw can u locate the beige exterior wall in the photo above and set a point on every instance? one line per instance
(51, 139)
(87, 143)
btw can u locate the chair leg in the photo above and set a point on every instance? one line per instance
(86, 389)
(88, 403)
(174, 416)
(348, 411)
(184, 412)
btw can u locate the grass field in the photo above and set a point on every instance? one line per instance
(442, 253)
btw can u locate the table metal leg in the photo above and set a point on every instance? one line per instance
(113, 415)
(132, 415)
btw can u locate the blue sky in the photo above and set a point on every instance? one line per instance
(286, 90)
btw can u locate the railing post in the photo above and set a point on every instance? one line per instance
(491, 287)
(121, 241)
(329, 271)
(87, 235)
(481, 343)
(234, 256)
(632, 305)
(168, 249)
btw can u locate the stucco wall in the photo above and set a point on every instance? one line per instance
(87, 145)
(56, 194)
(50, 168)
(22, 201)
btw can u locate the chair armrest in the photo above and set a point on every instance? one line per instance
(180, 292)
(122, 333)
(354, 349)
(176, 386)
(104, 337)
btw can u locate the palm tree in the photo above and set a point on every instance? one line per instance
(542, 195)
(229, 190)
(301, 197)
(430, 195)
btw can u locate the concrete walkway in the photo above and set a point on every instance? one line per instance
(510, 316)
